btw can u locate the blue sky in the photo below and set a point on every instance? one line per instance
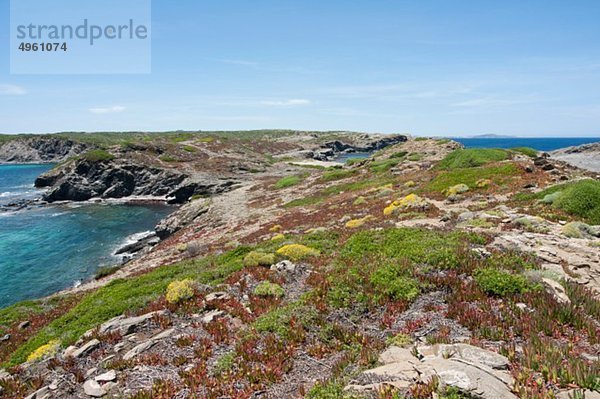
(528, 68)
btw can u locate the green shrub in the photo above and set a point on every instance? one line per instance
(297, 252)
(105, 271)
(256, 258)
(580, 198)
(390, 282)
(500, 283)
(470, 176)
(288, 181)
(267, 288)
(98, 156)
(189, 148)
(399, 154)
(415, 156)
(472, 157)
(168, 158)
(337, 175)
(383, 165)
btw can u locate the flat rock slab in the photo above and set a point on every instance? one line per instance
(466, 352)
(127, 325)
(93, 389)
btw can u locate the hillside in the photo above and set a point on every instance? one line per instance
(426, 270)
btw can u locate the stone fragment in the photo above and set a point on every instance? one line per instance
(109, 376)
(85, 350)
(93, 389)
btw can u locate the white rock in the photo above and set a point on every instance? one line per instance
(107, 377)
(93, 389)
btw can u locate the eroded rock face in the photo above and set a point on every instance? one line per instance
(183, 217)
(40, 150)
(359, 143)
(81, 180)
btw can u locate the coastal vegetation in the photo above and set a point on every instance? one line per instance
(422, 253)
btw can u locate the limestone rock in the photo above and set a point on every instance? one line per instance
(128, 325)
(466, 352)
(85, 350)
(93, 389)
(107, 377)
(144, 346)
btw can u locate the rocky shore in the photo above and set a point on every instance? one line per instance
(585, 156)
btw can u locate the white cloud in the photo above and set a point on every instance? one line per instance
(107, 110)
(12, 90)
(294, 102)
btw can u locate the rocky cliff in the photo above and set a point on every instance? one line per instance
(40, 150)
(82, 179)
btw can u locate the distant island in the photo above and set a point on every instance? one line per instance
(492, 136)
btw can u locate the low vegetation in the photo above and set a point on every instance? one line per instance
(472, 157)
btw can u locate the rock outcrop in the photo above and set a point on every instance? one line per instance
(361, 143)
(585, 156)
(40, 150)
(81, 180)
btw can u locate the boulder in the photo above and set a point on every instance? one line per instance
(144, 346)
(93, 389)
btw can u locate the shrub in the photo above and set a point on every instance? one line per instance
(400, 339)
(580, 230)
(415, 156)
(483, 183)
(98, 156)
(360, 201)
(455, 190)
(267, 288)
(288, 181)
(337, 175)
(383, 165)
(256, 258)
(297, 251)
(411, 201)
(189, 148)
(275, 228)
(44, 351)
(278, 237)
(410, 183)
(399, 154)
(390, 283)
(500, 283)
(105, 271)
(472, 157)
(355, 223)
(179, 291)
(581, 199)
(168, 158)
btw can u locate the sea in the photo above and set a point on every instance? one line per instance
(46, 249)
(538, 143)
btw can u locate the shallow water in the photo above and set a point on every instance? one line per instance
(44, 250)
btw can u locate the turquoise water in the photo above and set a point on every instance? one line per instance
(540, 144)
(44, 250)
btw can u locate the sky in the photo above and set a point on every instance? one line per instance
(443, 68)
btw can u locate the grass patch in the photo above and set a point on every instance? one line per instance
(289, 181)
(97, 156)
(415, 245)
(189, 148)
(470, 176)
(168, 158)
(530, 152)
(337, 175)
(128, 295)
(472, 157)
(383, 165)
